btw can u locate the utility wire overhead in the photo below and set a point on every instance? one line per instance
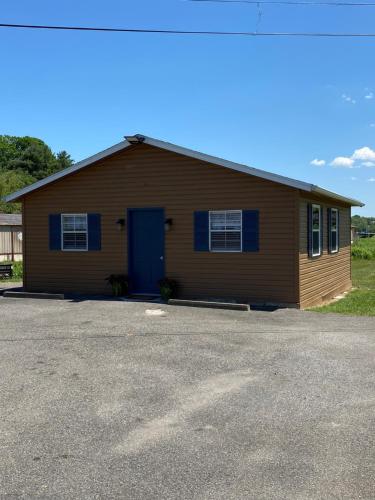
(186, 32)
(291, 2)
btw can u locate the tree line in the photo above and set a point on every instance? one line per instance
(24, 160)
(364, 224)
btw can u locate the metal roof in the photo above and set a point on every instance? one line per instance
(303, 186)
(10, 220)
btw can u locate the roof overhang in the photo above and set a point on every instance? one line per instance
(141, 139)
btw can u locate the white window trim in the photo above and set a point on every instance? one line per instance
(62, 234)
(229, 231)
(335, 231)
(315, 230)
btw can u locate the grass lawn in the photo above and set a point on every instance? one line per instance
(360, 302)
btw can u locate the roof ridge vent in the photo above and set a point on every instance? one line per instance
(135, 139)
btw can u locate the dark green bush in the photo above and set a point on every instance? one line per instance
(119, 284)
(168, 288)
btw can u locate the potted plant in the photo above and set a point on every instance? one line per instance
(168, 288)
(119, 284)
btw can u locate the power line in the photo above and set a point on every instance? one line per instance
(290, 2)
(187, 32)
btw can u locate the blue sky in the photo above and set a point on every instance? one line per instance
(276, 104)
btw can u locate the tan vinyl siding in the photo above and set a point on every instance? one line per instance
(144, 176)
(10, 243)
(321, 278)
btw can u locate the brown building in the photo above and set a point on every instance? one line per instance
(151, 209)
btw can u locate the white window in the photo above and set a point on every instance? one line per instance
(333, 239)
(316, 230)
(226, 231)
(74, 232)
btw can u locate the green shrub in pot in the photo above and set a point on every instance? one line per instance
(119, 284)
(168, 288)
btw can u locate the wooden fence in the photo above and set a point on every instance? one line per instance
(10, 243)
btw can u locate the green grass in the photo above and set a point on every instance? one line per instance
(364, 248)
(360, 302)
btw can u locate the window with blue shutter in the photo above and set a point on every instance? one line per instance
(226, 231)
(201, 236)
(75, 232)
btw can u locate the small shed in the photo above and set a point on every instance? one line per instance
(10, 237)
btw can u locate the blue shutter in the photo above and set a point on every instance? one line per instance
(94, 232)
(309, 230)
(201, 237)
(329, 232)
(338, 230)
(250, 230)
(321, 230)
(54, 231)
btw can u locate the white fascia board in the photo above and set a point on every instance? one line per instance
(62, 173)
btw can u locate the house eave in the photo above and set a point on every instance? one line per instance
(330, 194)
(67, 171)
(280, 179)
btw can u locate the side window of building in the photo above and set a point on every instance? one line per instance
(315, 226)
(333, 230)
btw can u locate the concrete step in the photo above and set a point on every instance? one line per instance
(33, 295)
(212, 305)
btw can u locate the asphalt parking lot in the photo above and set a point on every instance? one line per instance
(101, 400)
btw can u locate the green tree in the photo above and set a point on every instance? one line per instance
(64, 160)
(12, 180)
(24, 160)
(364, 224)
(30, 155)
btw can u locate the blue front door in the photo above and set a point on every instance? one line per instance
(146, 249)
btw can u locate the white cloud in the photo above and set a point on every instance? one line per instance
(370, 95)
(371, 179)
(362, 157)
(318, 163)
(364, 154)
(347, 98)
(353, 178)
(342, 161)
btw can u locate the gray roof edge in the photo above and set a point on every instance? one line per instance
(304, 186)
(62, 173)
(339, 197)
